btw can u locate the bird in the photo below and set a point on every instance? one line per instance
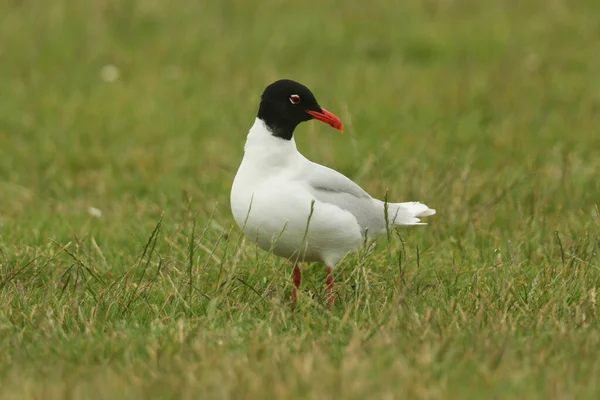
(298, 209)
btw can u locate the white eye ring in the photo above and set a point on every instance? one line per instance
(295, 99)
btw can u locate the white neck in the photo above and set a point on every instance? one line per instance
(262, 149)
(260, 137)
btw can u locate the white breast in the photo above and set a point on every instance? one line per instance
(271, 203)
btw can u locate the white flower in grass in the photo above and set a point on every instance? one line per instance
(94, 212)
(109, 73)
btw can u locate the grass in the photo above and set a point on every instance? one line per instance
(486, 111)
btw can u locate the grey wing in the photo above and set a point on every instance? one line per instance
(330, 186)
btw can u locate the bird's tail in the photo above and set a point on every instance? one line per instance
(408, 213)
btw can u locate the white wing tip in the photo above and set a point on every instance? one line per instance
(412, 212)
(427, 213)
(419, 209)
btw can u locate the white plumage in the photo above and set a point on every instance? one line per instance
(276, 190)
(272, 195)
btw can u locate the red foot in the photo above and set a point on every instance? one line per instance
(330, 297)
(297, 278)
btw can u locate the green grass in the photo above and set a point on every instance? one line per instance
(487, 111)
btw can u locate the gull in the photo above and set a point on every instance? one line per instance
(298, 209)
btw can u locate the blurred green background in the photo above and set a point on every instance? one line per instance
(137, 110)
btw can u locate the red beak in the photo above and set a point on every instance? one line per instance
(328, 118)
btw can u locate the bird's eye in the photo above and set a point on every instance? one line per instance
(295, 99)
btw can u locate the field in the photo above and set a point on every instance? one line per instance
(123, 275)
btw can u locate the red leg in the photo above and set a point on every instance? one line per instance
(297, 278)
(330, 297)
